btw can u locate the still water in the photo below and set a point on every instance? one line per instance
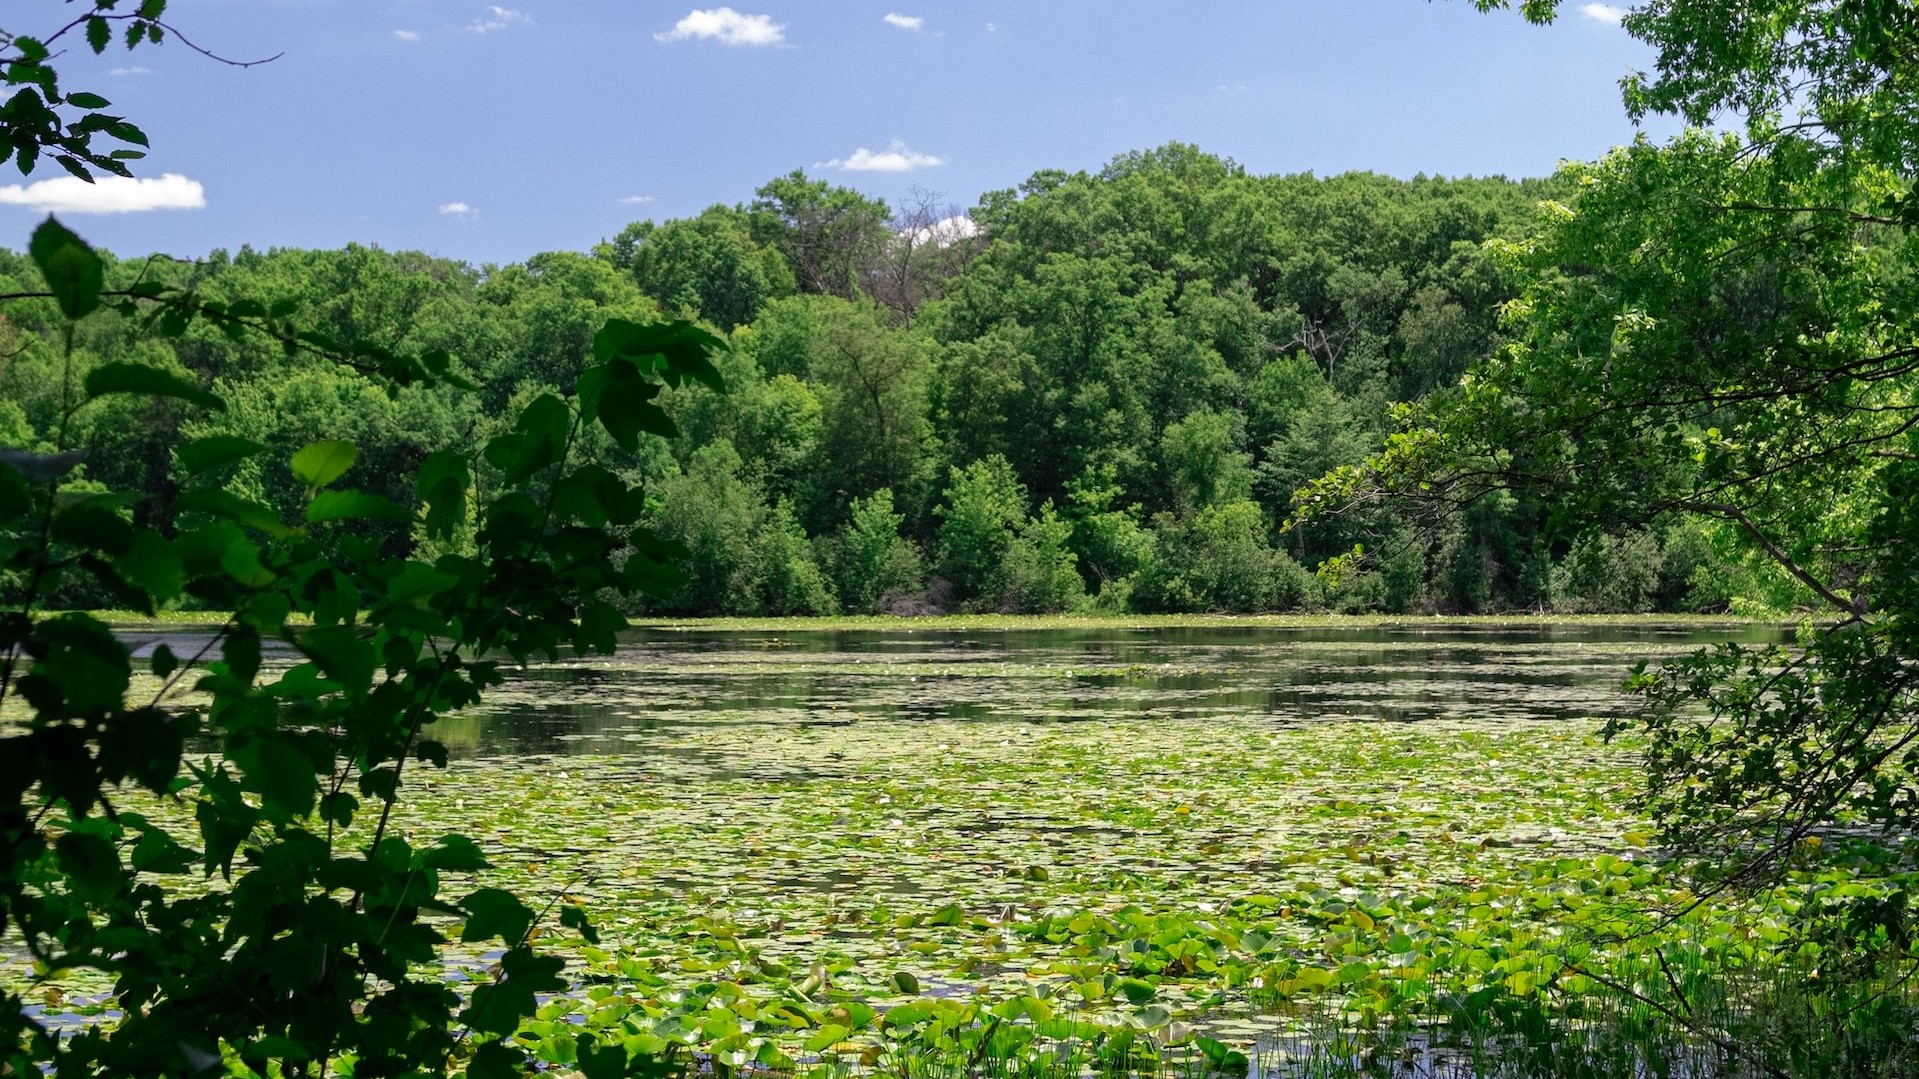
(666, 683)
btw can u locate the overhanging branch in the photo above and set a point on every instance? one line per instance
(1853, 605)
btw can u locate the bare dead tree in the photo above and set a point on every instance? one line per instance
(932, 241)
(1322, 344)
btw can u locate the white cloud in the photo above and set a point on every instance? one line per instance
(945, 232)
(1611, 13)
(123, 72)
(726, 26)
(905, 22)
(635, 200)
(498, 18)
(106, 195)
(407, 35)
(895, 158)
(990, 28)
(458, 209)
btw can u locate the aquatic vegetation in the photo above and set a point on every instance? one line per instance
(1118, 852)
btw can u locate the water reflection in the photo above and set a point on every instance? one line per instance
(667, 684)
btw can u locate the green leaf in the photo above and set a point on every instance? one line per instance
(230, 507)
(599, 630)
(677, 349)
(497, 1060)
(653, 567)
(338, 808)
(75, 275)
(342, 655)
(826, 1038)
(537, 440)
(432, 752)
(138, 378)
(150, 562)
(904, 982)
(158, 852)
(204, 453)
(354, 506)
(905, 1015)
(417, 581)
(320, 463)
(99, 34)
(499, 1007)
(443, 483)
(94, 523)
(90, 862)
(491, 912)
(279, 768)
(16, 498)
(85, 100)
(610, 1061)
(1223, 1058)
(626, 407)
(85, 661)
(457, 854)
(575, 918)
(126, 132)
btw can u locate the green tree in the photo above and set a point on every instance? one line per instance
(830, 236)
(323, 947)
(1720, 327)
(1201, 461)
(1603, 572)
(774, 423)
(708, 266)
(985, 507)
(870, 560)
(873, 411)
(988, 396)
(1039, 574)
(1221, 560)
(1108, 539)
(744, 556)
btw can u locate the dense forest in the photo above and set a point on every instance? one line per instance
(1096, 390)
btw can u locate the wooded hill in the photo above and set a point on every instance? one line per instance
(1093, 390)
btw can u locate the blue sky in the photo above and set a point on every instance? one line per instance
(489, 132)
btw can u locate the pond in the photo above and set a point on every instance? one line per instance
(865, 803)
(784, 832)
(667, 684)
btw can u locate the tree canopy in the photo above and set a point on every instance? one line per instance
(1722, 327)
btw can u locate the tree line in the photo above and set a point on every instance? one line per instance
(1093, 391)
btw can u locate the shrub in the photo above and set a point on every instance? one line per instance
(1040, 574)
(1221, 560)
(870, 560)
(1618, 574)
(985, 504)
